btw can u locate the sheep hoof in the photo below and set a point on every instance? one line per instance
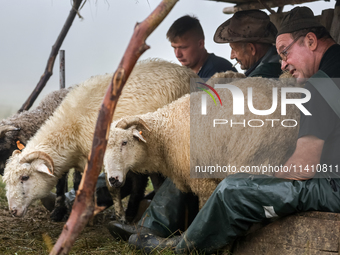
(58, 214)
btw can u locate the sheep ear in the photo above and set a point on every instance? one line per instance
(44, 169)
(138, 134)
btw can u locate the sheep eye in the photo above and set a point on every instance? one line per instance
(24, 178)
(124, 143)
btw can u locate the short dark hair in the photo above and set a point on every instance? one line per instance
(183, 25)
(320, 33)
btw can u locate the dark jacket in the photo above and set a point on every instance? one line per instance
(268, 66)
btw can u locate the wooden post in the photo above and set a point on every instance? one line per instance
(62, 69)
(83, 206)
(50, 62)
(335, 33)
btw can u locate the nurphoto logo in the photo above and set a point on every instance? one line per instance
(204, 96)
(238, 99)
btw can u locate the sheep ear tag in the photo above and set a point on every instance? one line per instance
(44, 169)
(20, 145)
(138, 134)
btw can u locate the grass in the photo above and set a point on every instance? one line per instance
(3, 198)
(36, 233)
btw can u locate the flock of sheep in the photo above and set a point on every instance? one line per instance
(150, 133)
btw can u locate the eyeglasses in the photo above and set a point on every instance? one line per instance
(283, 54)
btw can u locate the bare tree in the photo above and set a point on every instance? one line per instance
(50, 62)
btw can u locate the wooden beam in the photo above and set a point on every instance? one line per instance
(256, 5)
(265, 5)
(326, 18)
(334, 31)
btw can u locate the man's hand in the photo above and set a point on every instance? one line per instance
(304, 160)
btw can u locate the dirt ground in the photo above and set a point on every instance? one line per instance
(36, 233)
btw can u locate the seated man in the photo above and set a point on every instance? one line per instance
(187, 38)
(307, 52)
(251, 36)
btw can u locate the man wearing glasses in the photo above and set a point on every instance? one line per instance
(307, 52)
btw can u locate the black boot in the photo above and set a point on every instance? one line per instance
(149, 242)
(124, 231)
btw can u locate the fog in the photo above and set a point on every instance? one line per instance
(94, 44)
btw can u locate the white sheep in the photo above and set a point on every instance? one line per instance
(65, 140)
(181, 138)
(16, 130)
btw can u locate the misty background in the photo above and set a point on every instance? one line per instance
(94, 45)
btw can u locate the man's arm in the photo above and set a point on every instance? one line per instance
(307, 155)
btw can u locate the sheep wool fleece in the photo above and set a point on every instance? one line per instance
(165, 214)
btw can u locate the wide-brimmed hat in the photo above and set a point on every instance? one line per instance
(246, 26)
(297, 19)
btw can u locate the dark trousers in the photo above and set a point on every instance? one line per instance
(242, 199)
(170, 210)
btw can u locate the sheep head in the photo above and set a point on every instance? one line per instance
(125, 150)
(28, 177)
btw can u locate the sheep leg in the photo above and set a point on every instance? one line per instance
(117, 203)
(60, 209)
(76, 180)
(157, 181)
(139, 183)
(49, 201)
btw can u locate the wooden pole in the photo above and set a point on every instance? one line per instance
(62, 69)
(334, 31)
(83, 206)
(263, 4)
(50, 62)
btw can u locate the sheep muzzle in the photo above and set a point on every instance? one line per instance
(114, 182)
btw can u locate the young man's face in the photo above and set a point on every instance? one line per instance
(298, 59)
(188, 50)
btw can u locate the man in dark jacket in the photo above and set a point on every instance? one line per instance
(251, 36)
(187, 39)
(307, 52)
(172, 210)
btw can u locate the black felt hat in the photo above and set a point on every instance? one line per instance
(297, 19)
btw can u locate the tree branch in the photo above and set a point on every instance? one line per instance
(50, 62)
(83, 206)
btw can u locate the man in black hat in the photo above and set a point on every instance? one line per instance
(307, 52)
(251, 36)
(187, 38)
